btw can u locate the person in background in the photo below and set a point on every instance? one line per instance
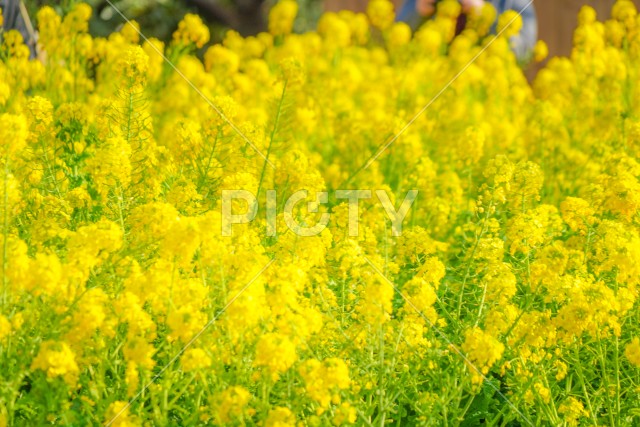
(414, 12)
(15, 17)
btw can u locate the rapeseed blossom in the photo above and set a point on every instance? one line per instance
(191, 30)
(122, 302)
(281, 17)
(57, 360)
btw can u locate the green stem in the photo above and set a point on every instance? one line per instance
(5, 232)
(272, 137)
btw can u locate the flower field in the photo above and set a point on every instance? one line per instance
(508, 298)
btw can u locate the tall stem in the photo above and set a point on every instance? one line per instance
(272, 137)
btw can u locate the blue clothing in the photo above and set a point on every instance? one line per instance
(409, 14)
(14, 19)
(522, 43)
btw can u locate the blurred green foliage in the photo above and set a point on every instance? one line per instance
(159, 18)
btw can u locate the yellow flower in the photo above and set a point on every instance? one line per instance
(221, 60)
(572, 410)
(335, 31)
(324, 379)
(449, 9)
(577, 213)
(632, 352)
(119, 415)
(13, 134)
(230, 404)
(5, 93)
(134, 67)
(77, 21)
(41, 111)
(185, 322)
(345, 414)
(623, 10)
(420, 297)
(482, 350)
(276, 352)
(398, 35)
(380, 13)
(281, 17)
(137, 350)
(587, 15)
(194, 359)
(562, 370)
(5, 327)
(131, 32)
(280, 417)
(376, 306)
(191, 30)
(543, 392)
(57, 360)
(509, 24)
(154, 49)
(132, 378)
(482, 19)
(530, 230)
(111, 167)
(540, 51)
(48, 25)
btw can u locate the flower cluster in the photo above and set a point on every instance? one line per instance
(509, 298)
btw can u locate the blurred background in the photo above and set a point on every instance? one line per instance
(159, 18)
(556, 18)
